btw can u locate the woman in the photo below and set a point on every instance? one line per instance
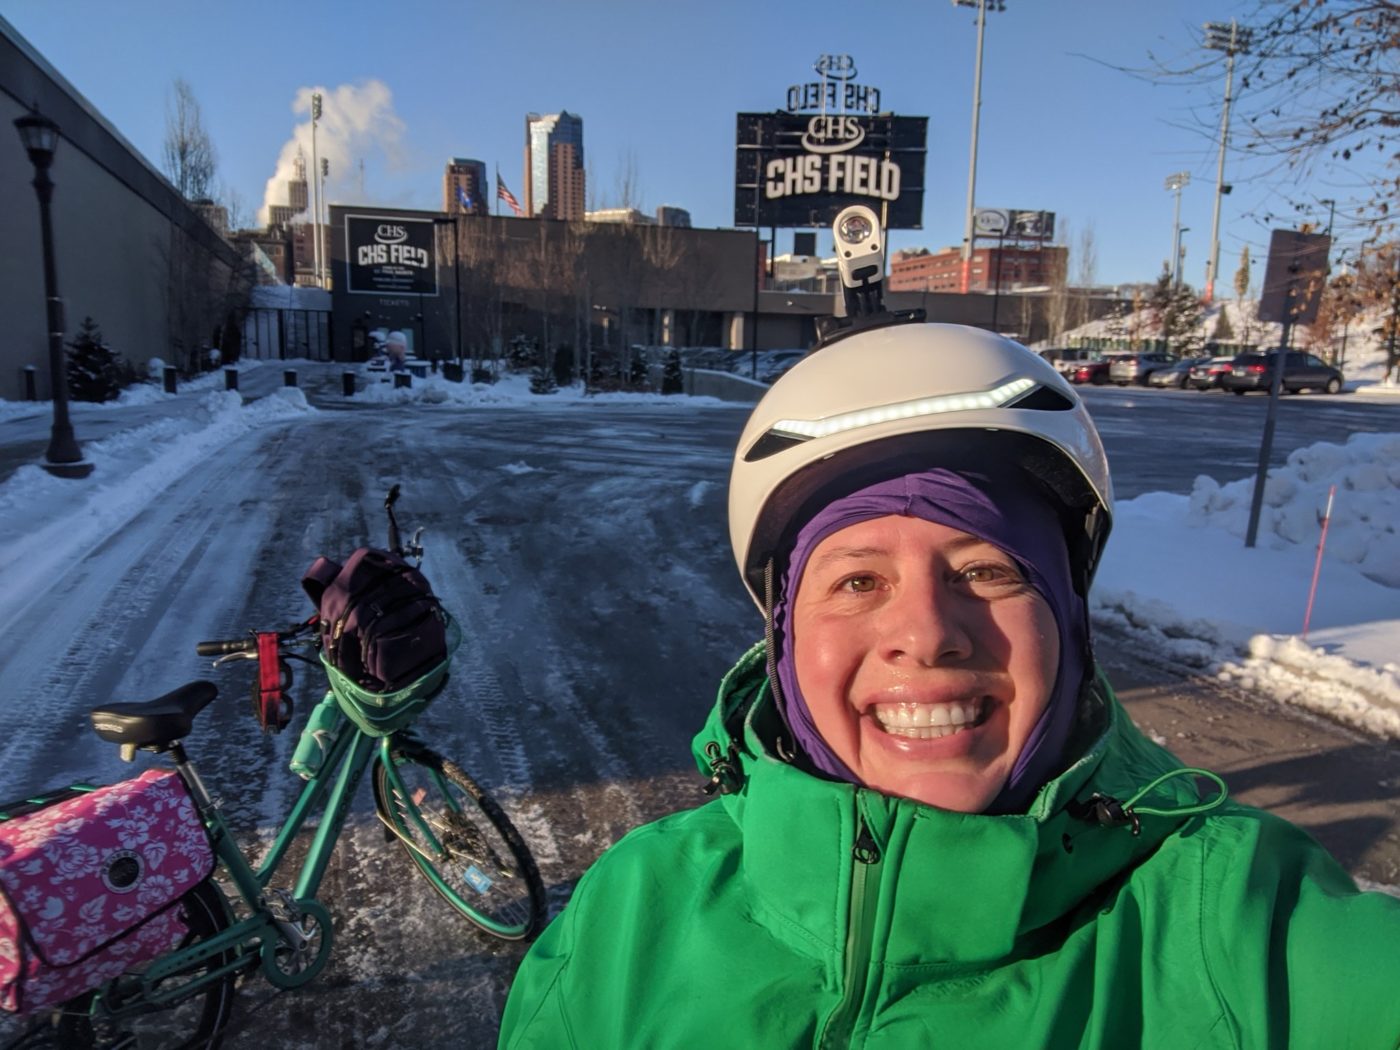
(936, 826)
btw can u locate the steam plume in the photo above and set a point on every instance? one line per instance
(357, 121)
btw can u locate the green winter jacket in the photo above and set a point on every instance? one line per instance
(797, 912)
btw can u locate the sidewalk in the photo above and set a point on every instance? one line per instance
(26, 426)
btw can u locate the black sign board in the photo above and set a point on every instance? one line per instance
(799, 170)
(1295, 277)
(389, 254)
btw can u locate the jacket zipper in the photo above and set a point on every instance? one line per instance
(866, 854)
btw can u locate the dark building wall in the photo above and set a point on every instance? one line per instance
(523, 269)
(120, 232)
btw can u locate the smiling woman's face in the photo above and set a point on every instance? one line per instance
(925, 658)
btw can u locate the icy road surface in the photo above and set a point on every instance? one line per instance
(574, 695)
(583, 549)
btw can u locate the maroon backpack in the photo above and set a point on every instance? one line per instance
(381, 625)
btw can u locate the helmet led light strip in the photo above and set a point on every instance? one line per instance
(927, 406)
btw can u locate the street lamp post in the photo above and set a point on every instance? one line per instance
(325, 262)
(64, 457)
(315, 201)
(1181, 232)
(981, 5)
(1174, 183)
(1232, 39)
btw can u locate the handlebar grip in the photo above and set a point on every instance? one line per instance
(238, 645)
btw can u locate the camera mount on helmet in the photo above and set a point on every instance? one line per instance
(860, 258)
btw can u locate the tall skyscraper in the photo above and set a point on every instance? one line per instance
(298, 195)
(465, 190)
(554, 179)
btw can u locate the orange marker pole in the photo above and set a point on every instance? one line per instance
(1317, 565)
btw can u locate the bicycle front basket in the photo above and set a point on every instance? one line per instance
(379, 714)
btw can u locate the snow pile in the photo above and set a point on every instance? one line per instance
(1177, 577)
(49, 521)
(1365, 511)
(509, 389)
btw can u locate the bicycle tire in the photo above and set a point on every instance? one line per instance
(481, 865)
(107, 1019)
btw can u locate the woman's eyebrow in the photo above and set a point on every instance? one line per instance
(836, 554)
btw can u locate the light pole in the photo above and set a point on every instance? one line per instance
(1181, 231)
(64, 457)
(1232, 39)
(981, 5)
(315, 190)
(1331, 212)
(325, 262)
(1175, 183)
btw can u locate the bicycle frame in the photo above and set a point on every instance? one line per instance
(259, 937)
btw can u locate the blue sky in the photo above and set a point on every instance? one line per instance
(660, 83)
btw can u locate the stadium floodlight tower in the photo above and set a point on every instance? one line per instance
(982, 7)
(1175, 183)
(1233, 39)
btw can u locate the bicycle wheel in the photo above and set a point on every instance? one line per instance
(119, 1016)
(462, 842)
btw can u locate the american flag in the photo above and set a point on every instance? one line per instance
(507, 196)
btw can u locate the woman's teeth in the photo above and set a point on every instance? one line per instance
(927, 721)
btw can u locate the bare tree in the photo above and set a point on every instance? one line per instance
(627, 183)
(1318, 87)
(240, 217)
(1315, 92)
(1086, 265)
(1057, 302)
(188, 154)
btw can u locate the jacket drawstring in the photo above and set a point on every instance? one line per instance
(1109, 812)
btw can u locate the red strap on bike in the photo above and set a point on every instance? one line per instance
(272, 705)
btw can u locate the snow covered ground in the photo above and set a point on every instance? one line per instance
(1176, 574)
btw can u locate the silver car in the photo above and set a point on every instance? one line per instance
(1135, 368)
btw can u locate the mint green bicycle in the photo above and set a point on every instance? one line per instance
(458, 837)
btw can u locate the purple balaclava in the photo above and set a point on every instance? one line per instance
(1012, 515)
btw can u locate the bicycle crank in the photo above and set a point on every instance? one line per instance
(298, 943)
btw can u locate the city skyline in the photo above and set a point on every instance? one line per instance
(1062, 129)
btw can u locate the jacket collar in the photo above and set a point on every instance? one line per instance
(955, 890)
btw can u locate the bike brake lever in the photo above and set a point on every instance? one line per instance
(250, 655)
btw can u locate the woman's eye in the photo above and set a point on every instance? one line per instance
(989, 574)
(858, 584)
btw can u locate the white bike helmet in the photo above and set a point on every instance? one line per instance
(889, 399)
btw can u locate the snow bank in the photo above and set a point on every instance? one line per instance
(510, 389)
(49, 521)
(1177, 577)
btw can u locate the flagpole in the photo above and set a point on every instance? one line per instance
(497, 194)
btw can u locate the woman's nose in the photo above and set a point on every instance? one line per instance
(925, 622)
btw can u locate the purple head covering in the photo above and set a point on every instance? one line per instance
(1012, 516)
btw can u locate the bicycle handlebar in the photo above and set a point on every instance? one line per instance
(240, 645)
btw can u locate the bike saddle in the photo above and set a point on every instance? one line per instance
(154, 724)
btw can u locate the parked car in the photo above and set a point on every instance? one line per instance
(1135, 368)
(773, 363)
(713, 358)
(1301, 371)
(1206, 374)
(1177, 375)
(1067, 359)
(1095, 372)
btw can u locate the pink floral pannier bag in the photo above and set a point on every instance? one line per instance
(90, 887)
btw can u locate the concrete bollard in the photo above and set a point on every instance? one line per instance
(403, 379)
(31, 385)
(171, 377)
(230, 379)
(347, 384)
(289, 377)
